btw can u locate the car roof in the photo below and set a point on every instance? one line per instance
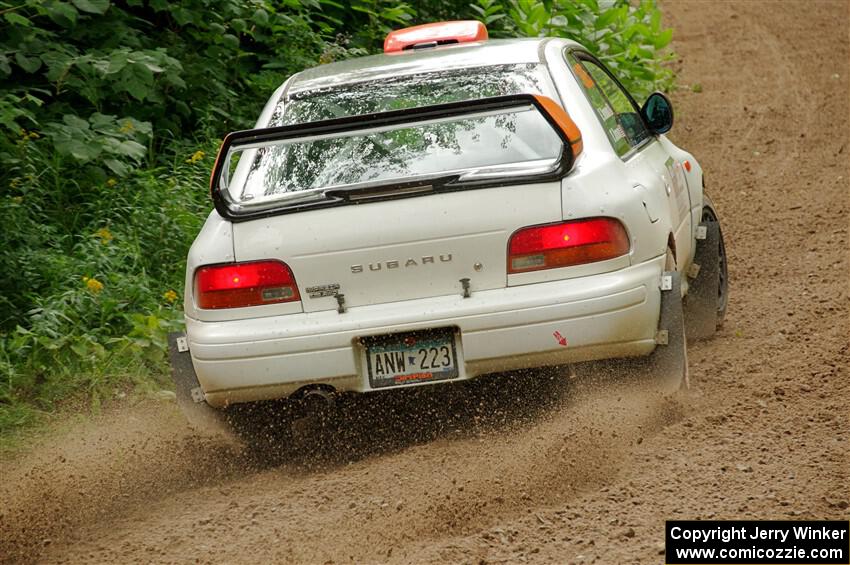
(376, 67)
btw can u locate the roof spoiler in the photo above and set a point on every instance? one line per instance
(562, 124)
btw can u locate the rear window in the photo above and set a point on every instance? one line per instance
(515, 142)
(412, 91)
(483, 144)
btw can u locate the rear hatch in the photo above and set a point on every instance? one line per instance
(397, 205)
(400, 249)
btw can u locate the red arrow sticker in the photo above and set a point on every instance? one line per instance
(561, 339)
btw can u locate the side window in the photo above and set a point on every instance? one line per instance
(620, 119)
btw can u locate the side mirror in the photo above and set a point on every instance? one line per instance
(657, 112)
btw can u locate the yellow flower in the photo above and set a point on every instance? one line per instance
(17, 199)
(196, 156)
(15, 182)
(111, 182)
(127, 127)
(104, 234)
(170, 295)
(27, 135)
(93, 285)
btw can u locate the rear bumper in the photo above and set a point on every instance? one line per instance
(601, 316)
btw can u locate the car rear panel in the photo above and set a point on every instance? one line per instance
(607, 315)
(400, 249)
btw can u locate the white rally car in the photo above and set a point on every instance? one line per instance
(451, 208)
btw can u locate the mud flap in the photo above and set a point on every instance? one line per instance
(701, 315)
(669, 362)
(202, 417)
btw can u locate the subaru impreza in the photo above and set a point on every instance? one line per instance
(452, 208)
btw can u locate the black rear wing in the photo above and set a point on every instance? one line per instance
(557, 117)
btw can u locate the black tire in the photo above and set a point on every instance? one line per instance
(265, 428)
(709, 214)
(276, 430)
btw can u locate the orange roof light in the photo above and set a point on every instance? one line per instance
(431, 35)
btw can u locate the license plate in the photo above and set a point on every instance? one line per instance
(411, 358)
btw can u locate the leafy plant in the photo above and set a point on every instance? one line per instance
(627, 36)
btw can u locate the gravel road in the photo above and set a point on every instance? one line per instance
(545, 468)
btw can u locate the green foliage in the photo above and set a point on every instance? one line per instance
(96, 290)
(628, 37)
(109, 116)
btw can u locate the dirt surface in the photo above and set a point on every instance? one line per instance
(565, 472)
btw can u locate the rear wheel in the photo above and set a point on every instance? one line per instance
(262, 427)
(709, 214)
(276, 429)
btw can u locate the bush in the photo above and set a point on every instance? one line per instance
(109, 116)
(96, 289)
(628, 39)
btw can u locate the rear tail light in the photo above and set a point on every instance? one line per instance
(565, 244)
(236, 285)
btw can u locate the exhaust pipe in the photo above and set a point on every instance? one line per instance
(315, 404)
(318, 397)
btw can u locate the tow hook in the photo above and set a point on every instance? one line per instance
(464, 282)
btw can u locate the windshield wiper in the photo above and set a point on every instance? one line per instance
(293, 198)
(370, 191)
(536, 166)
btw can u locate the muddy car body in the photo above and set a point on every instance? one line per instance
(442, 212)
